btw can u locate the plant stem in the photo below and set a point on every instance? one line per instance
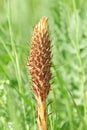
(41, 115)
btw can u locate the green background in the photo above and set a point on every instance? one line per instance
(67, 100)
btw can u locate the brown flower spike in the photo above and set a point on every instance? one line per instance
(39, 67)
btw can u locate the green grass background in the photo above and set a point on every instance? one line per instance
(67, 100)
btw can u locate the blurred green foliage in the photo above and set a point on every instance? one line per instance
(67, 109)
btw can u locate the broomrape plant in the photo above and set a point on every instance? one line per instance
(39, 67)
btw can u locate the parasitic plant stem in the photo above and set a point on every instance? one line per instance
(39, 67)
